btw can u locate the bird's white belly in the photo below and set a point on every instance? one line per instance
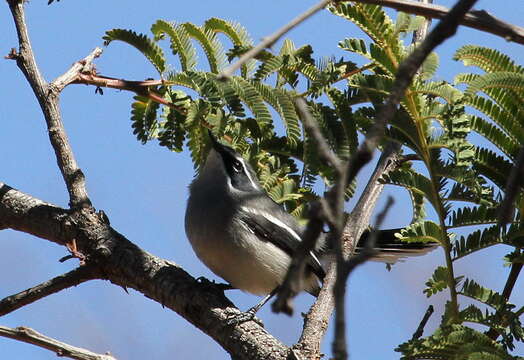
(247, 263)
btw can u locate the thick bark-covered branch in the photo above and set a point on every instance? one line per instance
(478, 19)
(48, 98)
(61, 349)
(125, 264)
(59, 283)
(25, 213)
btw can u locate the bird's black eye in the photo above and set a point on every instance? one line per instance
(237, 166)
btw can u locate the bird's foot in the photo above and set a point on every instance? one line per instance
(239, 318)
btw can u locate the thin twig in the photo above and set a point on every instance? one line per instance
(324, 151)
(142, 88)
(59, 283)
(516, 268)
(318, 214)
(346, 268)
(271, 39)
(478, 19)
(406, 71)
(291, 285)
(61, 349)
(420, 330)
(513, 186)
(48, 98)
(84, 66)
(317, 319)
(408, 68)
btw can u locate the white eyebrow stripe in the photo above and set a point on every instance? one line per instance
(274, 220)
(248, 174)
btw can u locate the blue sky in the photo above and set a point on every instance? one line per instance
(143, 188)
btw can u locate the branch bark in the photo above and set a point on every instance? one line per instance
(48, 98)
(125, 264)
(61, 349)
(142, 88)
(478, 19)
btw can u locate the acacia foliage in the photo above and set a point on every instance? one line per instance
(255, 111)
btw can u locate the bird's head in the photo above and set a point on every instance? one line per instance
(224, 162)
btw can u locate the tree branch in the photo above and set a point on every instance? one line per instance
(61, 349)
(478, 19)
(317, 215)
(317, 319)
(142, 88)
(506, 293)
(84, 66)
(420, 330)
(72, 278)
(506, 212)
(324, 151)
(344, 270)
(126, 265)
(48, 98)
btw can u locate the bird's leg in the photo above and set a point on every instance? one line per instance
(250, 314)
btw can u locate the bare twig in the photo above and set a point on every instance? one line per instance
(61, 349)
(512, 189)
(84, 66)
(48, 98)
(292, 283)
(479, 19)
(325, 152)
(72, 278)
(516, 268)
(506, 214)
(317, 319)
(420, 330)
(271, 39)
(407, 70)
(142, 88)
(318, 214)
(345, 269)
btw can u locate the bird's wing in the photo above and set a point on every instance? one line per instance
(270, 228)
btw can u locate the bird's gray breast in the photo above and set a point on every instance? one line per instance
(230, 248)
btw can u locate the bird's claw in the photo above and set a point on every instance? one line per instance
(239, 318)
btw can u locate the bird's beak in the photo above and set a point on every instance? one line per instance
(214, 142)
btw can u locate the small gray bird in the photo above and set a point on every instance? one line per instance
(242, 235)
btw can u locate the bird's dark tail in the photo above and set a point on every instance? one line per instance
(391, 249)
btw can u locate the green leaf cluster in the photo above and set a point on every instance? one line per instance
(254, 111)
